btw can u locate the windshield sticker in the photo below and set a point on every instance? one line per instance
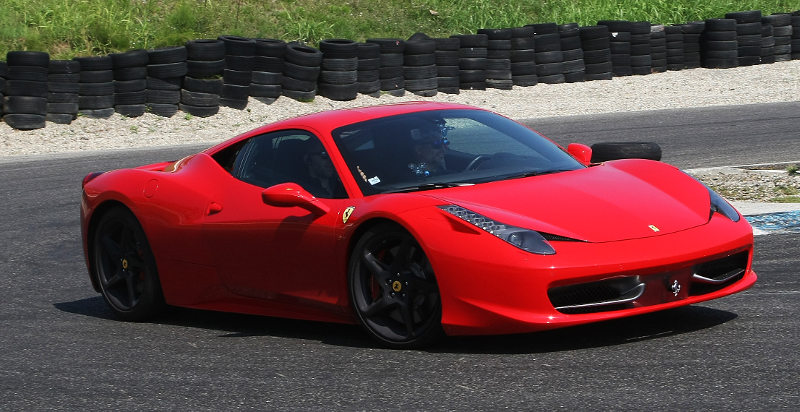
(374, 180)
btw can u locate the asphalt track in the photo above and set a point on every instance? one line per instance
(60, 347)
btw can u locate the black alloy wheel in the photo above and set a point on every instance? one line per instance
(393, 289)
(125, 268)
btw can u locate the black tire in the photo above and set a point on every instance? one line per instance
(606, 151)
(63, 87)
(205, 50)
(425, 46)
(267, 78)
(339, 92)
(130, 110)
(300, 72)
(266, 90)
(204, 68)
(303, 55)
(389, 45)
(97, 113)
(300, 95)
(132, 58)
(340, 64)
(60, 118)
(25, 121)
(29, 73)
(24, 105)
(239, 63)
(393, 289)
(167, 70)
(199, 111)
(172, 83)
(130, 73)
(128, 98)
(338, 77)
(96, 76)
(163, 96)
(270, 48)
(127, 86)
(238, 46)
(28, 58)
(96, 102)
(203, 85)
(67, 108)
(199, 99)
(64, 67)
(167, 55)
(268, 64)
(426, 59)
(124, 267)
(96, 89)
(472, 40)
(391, 60)
(95, 62)
(163, 110)
(338, 48)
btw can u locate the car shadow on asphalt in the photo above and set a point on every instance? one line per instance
(657, 325)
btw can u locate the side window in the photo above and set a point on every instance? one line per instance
(288, 156)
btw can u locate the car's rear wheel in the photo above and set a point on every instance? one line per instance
(393, 288)
(125, 268)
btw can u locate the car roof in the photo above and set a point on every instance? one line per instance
(326, 121)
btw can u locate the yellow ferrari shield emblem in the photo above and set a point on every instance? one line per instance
(125, 263)
(397, 286)
(654, 228)
(347, 212)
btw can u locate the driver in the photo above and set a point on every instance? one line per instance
(322, 178)
(429, 150)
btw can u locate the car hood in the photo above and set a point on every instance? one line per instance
(617, 200)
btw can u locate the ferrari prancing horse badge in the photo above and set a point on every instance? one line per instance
(347, 212)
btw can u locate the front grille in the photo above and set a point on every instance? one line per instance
(711, 276)
(604, 295)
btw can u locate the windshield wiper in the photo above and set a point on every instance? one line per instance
(530, 173)
(428, 186)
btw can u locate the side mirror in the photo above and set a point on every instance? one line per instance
(291, 194)
(581, 152)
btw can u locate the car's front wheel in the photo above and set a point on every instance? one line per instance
(125, 268)
(393, 288)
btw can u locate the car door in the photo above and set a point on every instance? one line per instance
(287, 256)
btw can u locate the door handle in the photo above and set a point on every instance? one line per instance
(213, 208)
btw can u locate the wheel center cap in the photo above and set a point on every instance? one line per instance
(397, 286)
(125, 264)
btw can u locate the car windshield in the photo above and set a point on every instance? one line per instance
(444, 148)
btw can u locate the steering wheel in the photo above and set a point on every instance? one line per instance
(474, 163)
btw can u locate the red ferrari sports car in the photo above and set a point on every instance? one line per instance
(414, 220)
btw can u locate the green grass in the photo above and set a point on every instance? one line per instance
(68, 28)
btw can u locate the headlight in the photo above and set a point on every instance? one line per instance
(525, 239)
(721, 206)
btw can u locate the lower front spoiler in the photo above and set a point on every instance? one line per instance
(507, 320)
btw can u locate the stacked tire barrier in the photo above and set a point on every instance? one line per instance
(130, 82)
(658, 48)
(419, 65)
(202, 75)
(25, 97)
(447, 60)
(268, 67)
(166, 69)
(202, 86)
(368, 80)
(472, 54)
(674, 44)
(748, 30)
(390, 72)
(620, 45)
(498, 58)
(691, 43)
(238, 72)
(719, 45)
(795, 43)
(339, 69)
(596, 45)
(781, 37)
(62, 87)
(96, 86)
(523, 57)
(301, 71)
(548, 55)
(572, 52)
